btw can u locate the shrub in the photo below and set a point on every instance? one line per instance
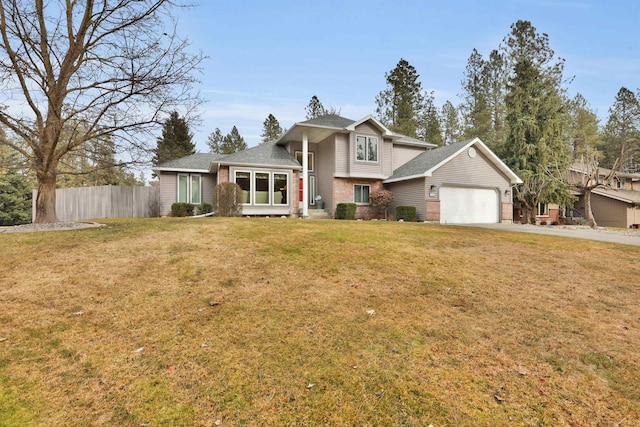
(227, 199)
(381, 199)
(406, 213)
(205, 208)
(346, 211)
(182, 209)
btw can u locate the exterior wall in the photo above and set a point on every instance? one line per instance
(169, 189)
(410, 193)
(325, 164)
(506, 212)
(368, 169)
(432, 210)
(343, 192)
(610, 212)
(265, 210)
(342, 155)
(402, 154)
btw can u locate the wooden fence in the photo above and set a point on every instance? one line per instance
(107, 201)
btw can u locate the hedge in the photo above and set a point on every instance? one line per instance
(406, 213)
(346, 211)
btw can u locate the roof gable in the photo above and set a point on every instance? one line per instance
(426, 163)
(266, 154)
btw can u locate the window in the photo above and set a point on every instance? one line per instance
(189, 188)
(621, 183)
(366, 148)
(310, 159)
(280, 189)
(243, 179)
(543, 209)
(361, 193)
(263, 188)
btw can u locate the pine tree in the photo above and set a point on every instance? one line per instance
(175, 141)
(621, 138)
(475, 108)
(584, 128)
(315, 108)
(215, 141)
(430, 129)
(271, 129)
(233, 142)
(450, 123)
(15, 198)
(401, 105)
(536, 141)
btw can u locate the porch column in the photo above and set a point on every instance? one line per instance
(305, 175)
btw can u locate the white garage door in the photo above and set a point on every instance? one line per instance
(459, 205)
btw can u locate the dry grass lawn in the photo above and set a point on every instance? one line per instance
(318, 323)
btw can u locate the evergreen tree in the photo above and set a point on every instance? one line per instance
(536, 141)
(228, 144)
(475, 109)
(271, 129)
(175, 141)
(584, 128)
(621, 140)
(430, 129)
(15, 198)
(401, 105)
(450, 123)
(215, 141)
(315, 108)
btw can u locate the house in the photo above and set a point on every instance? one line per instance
(614, 204)
(332, 159)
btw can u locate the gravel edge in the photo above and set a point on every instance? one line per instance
(55, 226)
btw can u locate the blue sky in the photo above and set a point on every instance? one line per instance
(270, 57)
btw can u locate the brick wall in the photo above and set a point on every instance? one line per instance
(343, 193)
(506, 214)
(432, 210)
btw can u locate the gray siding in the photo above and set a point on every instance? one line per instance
(168, 191)
(342, 154)
(324, 174)
(467, 171)
(402, 154)
(367, 169)
(411, 193)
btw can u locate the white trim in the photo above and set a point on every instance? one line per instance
(383, 128)
(354, 193)
(270, 190)
(189, 187)
(181, 170)
(309, 154)
(366, 149)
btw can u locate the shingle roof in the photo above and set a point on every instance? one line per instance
(420, 164)
(197, 161)
(266, 154)
(329, 120)
(629, 196)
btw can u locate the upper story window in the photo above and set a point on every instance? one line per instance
(366, 148)
(311, 161)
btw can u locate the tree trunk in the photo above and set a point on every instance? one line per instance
(591, 221)
(46, 199)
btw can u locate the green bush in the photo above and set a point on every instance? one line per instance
(346, 211)
(182, 209)
(205, 208)
(406, 213)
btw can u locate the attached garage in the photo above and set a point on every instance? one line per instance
(464, 205)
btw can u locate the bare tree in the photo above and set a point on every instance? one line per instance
(585, 176)
(82, 71)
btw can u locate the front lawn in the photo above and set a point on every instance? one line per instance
(299, 322)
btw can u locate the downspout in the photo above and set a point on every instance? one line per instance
(305, 175)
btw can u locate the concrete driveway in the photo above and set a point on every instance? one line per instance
(624, 237)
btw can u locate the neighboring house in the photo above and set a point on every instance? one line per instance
(616, 204)
(343, 160)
